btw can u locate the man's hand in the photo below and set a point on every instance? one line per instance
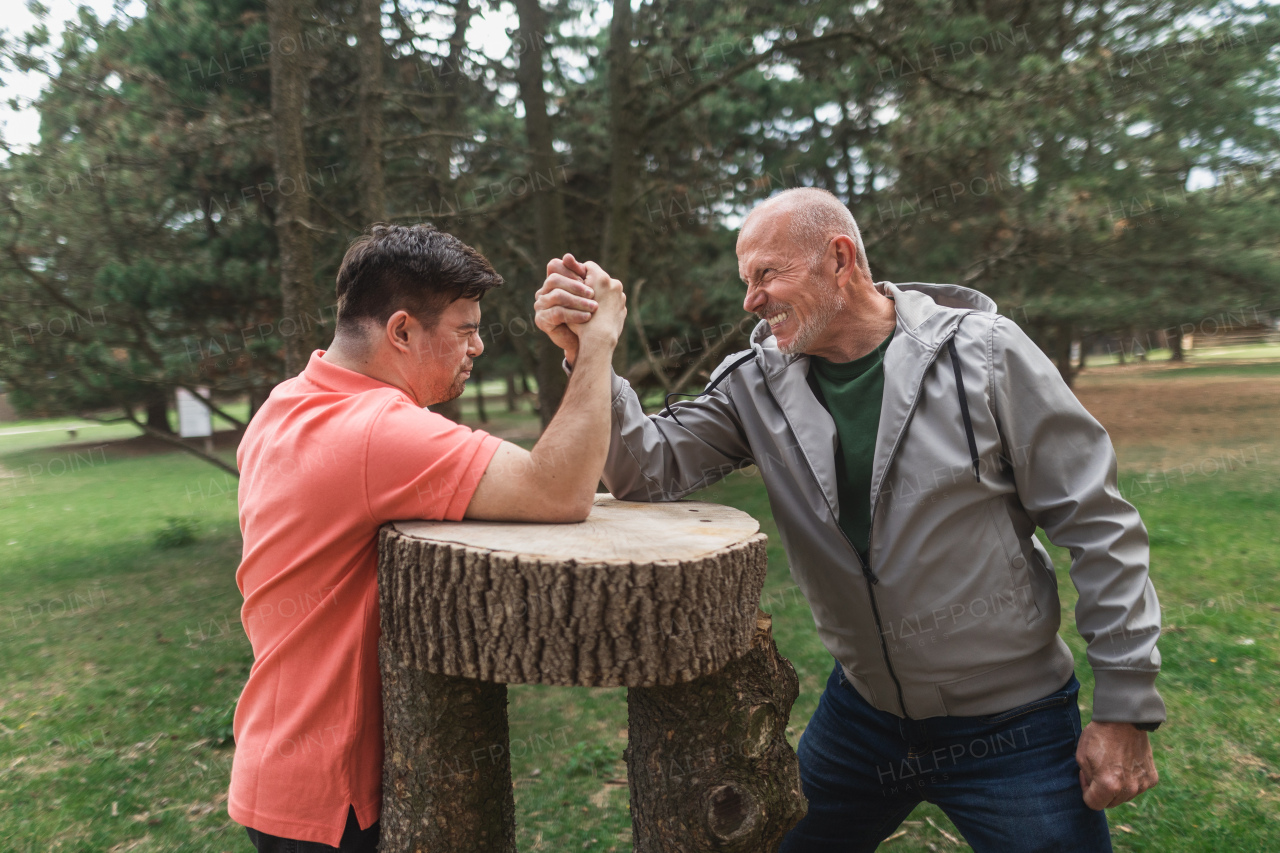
(1115, 764)
(564, 298)
(607, 323)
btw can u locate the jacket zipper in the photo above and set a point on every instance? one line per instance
(872, 580)
(870, 577)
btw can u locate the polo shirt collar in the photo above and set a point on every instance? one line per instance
(331, 377)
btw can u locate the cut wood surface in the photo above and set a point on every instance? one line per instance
(616, 531)
(640, 594)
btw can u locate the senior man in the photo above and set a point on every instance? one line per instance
(911, 440)
(333, 454)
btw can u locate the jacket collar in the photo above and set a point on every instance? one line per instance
(928, 313)
(921, 310)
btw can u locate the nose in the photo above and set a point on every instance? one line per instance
(754, 299)
(475, 345)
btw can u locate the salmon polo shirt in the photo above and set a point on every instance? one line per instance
(330, 457)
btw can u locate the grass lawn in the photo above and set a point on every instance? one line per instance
(122, 660)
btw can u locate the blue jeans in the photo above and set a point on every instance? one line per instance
(1009, 781)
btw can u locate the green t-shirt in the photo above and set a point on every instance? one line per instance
(852, 392)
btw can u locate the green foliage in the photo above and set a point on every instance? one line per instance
(177, 532)
(591, 759)
(1095, 167)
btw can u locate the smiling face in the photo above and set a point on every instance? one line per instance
(782, 286)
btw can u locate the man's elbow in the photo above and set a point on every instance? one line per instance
(561, 508)
(577, 509)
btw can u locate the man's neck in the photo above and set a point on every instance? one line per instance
(867, 319)
(359, 357)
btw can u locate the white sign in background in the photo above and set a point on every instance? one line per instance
(194, 418)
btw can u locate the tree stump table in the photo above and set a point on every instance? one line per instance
(660, 598)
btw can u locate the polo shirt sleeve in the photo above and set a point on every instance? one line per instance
(422, 465)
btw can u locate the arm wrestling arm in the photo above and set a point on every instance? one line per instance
(651, 457)
(556, 480)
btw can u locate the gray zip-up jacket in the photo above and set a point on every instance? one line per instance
(980, 442)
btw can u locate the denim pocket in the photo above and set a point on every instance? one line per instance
(1067, 695)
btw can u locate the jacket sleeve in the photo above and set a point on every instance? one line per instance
(657, 458)
(1065, 472)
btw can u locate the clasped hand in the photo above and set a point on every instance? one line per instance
(578, 302)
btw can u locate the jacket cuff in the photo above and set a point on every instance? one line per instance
(1126, 696)
(616, 382)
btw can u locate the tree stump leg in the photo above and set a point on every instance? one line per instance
(447, 774)
(708, 761)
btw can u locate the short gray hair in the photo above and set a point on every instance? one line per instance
(816, 217)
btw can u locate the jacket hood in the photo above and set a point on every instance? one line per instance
(916, 303)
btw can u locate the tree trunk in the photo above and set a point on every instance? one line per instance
(158, 412)
(369, 103)
(622, 165)
(447, 770)
(1062, 347)
(445, 86)
(548, 205)
(708, 761)
(480, 412)
(513, 399)
(659, 597)
(293, 209)
(257, 396)
(451, 409)
(1175, 346)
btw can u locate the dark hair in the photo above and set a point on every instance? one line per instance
(417, 268)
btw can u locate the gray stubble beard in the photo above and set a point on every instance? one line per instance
(825, 310)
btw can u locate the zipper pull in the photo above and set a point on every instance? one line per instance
(866, 570)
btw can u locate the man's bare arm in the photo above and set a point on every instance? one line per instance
(556, 481)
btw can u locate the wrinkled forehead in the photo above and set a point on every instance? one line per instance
(766, 239)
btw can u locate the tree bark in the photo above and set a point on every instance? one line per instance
(491, 602)
(293, 209)
(372, 181)
(447, 771)
(513, 399)
(480, 412)
(622, 165)
(1175, 346)
(1062, 347)
(708, 762)
(451, 409)
(158, 413)
(548, 204)
(659, 597)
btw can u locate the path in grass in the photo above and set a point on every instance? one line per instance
(122, 659)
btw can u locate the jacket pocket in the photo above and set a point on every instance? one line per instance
(1019, 569)
(1062, 697)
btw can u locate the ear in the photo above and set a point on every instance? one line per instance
(397, 330)
(846, 252)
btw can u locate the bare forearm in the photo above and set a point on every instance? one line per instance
(570, 454)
